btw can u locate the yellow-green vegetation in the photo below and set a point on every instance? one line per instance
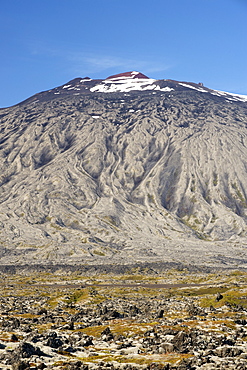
(202, 291)
(126, 327)
(56, 226)
(98, 253)
(233, 297)
(215, 179)
(193, 223)
(77, 296)
(6, 337)
(110, 220)
(239, 195)
(193, 187)
(151, 198)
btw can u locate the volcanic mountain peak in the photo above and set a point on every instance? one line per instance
(154, 171)
(128, 82)
(132, 81)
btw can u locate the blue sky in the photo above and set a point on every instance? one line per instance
(45, 43)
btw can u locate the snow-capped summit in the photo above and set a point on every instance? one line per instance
(128, 81)
(124, 169)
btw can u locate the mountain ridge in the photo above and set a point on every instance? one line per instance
(126, 82)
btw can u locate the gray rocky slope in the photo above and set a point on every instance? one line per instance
(124, 170)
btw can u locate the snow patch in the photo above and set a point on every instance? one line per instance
(192, 87)
(226, 95)
(124, 84)
(230, 96)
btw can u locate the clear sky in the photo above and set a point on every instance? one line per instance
(46, 43)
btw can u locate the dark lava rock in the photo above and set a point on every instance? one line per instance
(41, 366)
(86, 341)
(106, 334)
(218, 297)
(24, 350)
(20, 365)
(78, 365)
(134, 310)
(241, 322)
(27, 350)
(241, 367)
(69, 349)
(43, 311)
(227, 351)
(69, 326)
(112, 314)
(11, 324)
(106, 331)
(160, 314)
(14, 338)
(54, 342)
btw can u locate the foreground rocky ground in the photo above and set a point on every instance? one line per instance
(174, 320)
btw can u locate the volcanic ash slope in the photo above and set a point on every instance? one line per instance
(124, 177)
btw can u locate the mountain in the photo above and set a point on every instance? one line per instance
(122, 170)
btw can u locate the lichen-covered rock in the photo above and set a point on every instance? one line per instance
(228, 351)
